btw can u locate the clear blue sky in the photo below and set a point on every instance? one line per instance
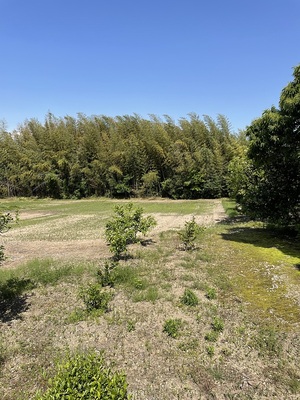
(117, 57)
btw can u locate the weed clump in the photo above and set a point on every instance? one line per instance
(268, 342)
(189, 298)
(211, 336)
(172, 327)
(211, 294)
(217, 325)
(210, 351)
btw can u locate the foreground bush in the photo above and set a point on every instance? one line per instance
(86, 377)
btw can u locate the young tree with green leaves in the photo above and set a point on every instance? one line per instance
(124, 227)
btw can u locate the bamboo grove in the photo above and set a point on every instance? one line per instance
(124, 156)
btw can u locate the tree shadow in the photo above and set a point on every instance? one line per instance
(284, 240)
(147, 242)
(233, 220)
(122, 257)
(12, 300)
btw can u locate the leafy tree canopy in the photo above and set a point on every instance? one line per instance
(272, 191)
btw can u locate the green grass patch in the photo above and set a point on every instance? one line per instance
(189, 298)
(48, 271)
(258, 266)
(230, 208)
(105, 205)
(151, 294)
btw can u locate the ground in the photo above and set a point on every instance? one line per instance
(256, 355)
(20, 247)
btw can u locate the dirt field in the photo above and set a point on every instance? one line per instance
(19, 249)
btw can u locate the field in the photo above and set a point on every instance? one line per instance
(236, 336)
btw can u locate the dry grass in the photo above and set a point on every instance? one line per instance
(256, 356)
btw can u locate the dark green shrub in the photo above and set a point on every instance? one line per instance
(5, 220)
(14, 287)
(95, 298)
(86, 377)
(189, 298)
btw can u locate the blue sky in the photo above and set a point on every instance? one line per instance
(118, 57)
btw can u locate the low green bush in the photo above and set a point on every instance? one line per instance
(217, 325)
(5, 220)
(211, 293)
(14, 287)
(211, 336)
(95, 298)
(86, 377)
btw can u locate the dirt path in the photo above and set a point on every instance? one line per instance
(19, 251)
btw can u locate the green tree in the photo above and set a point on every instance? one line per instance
(124, 227)
(272, 191)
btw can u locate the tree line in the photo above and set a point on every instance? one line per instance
(124, 156)
(194, 158)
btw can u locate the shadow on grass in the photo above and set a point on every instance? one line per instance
(238, 219)
(147, 242)
(12, 300)
(284, 240)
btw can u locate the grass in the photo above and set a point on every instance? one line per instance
(47, 271)
(242, 324)
(105, 205)
(230, 208)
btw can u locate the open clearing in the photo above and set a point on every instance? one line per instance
(245, 277)
(80, 237)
